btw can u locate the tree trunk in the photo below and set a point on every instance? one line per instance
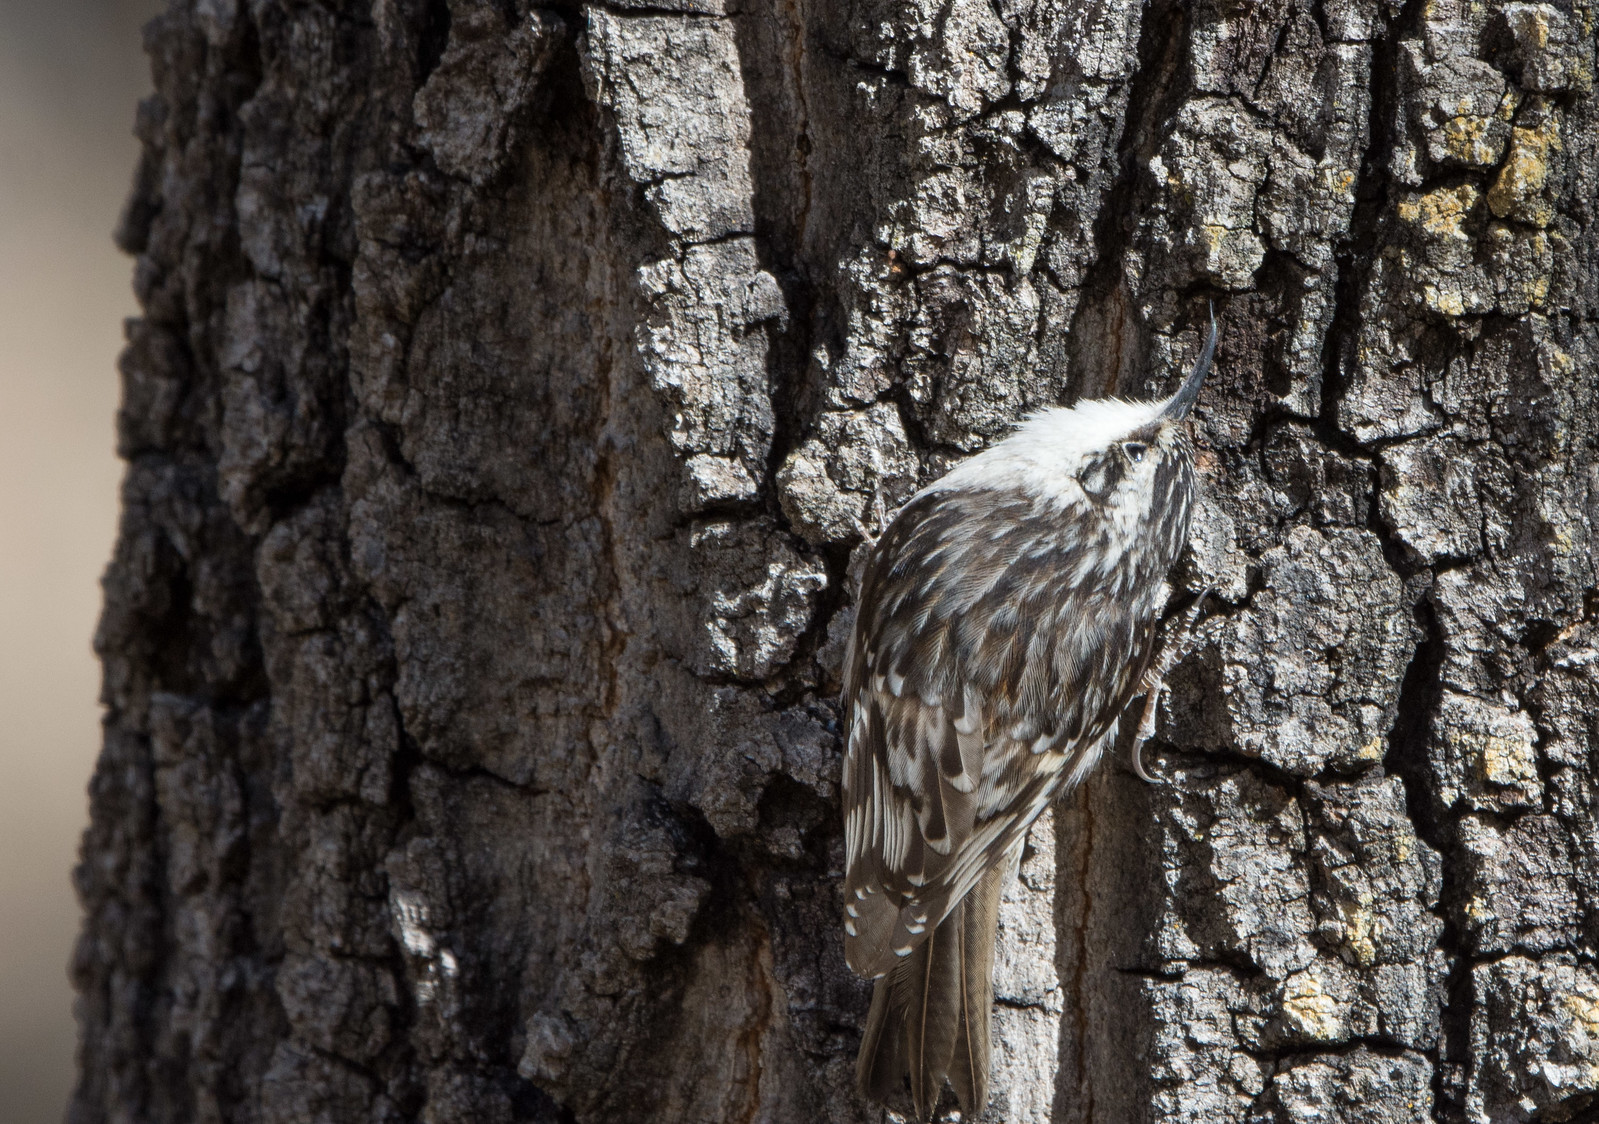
(515, 390)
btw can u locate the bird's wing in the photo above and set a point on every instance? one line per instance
(963, 709)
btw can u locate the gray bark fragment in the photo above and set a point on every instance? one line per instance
(1544, 1069)
(1357, 1088)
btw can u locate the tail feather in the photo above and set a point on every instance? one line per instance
(933, 1012)
(930, 1014)
(969, 1066)
(881, 1062)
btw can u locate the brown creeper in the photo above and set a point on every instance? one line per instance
(1006, 618)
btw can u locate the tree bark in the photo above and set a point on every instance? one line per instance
(515, 389)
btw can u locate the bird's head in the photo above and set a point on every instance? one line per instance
(1125, 451)
(1130, 460)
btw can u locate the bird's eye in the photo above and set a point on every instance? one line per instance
(1135, 450)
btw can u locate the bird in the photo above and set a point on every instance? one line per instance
(1007, 616)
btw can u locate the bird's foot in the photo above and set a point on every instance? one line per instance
(1175, 645)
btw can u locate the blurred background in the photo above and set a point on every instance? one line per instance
(71, 72)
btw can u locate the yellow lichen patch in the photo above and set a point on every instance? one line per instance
(1309, 1010)
(1517, 188)
(1448, 301)
(1560, 362)
(1440, 212)
(1361, 929)
(1231, 255)
(1502, 756)
(1508, 762)
(1531, 26)
(1467, 139)
(1536, 292)
(1338, 182)
(1583, 1006)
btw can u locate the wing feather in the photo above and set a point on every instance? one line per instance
(967, 684)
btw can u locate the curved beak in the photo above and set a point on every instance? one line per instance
(1178, 405)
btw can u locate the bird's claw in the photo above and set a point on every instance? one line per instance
(1155, 682)
(1146, 727)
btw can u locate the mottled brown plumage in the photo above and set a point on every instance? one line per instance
(1006, 618)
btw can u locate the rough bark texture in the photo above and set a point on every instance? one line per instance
(515, 388)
